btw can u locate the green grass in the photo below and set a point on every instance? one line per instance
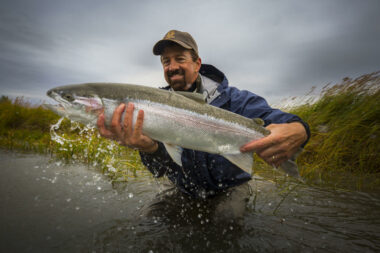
(343, 150)
(344, 146)
(28, 128)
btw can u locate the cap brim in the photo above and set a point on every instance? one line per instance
(160, 46)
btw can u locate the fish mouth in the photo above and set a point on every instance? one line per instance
(61, 101)
(88, 104)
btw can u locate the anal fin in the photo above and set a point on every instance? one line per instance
(243, 160)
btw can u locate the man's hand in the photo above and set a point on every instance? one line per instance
(283, 141)
(124, 133)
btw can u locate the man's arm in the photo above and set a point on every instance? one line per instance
(288, 132)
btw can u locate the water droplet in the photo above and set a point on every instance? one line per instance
(77, 208)
(130, 195)
(68, 200)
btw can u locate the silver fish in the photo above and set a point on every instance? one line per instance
(177, 119)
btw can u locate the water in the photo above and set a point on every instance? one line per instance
(47, 206)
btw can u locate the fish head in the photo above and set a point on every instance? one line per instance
(77, 102)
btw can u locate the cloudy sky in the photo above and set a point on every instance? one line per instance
(275, 48)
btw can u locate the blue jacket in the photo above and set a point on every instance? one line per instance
(203, 174)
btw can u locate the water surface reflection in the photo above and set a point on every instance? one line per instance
(47, 206)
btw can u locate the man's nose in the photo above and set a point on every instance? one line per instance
(173, 65)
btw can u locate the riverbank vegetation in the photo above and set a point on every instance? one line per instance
(343, 150)
(345, 133)
(35, 129)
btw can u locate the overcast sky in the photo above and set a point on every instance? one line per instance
(276, 49)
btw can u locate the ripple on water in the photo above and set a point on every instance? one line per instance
(73, 208)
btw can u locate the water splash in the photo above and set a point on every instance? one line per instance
(54, 136)
(78, 143)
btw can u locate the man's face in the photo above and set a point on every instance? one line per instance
(179, 68)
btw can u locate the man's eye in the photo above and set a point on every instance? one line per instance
(181, 59)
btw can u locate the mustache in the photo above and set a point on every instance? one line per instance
(175, 72)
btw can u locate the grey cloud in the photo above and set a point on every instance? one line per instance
(274, 48)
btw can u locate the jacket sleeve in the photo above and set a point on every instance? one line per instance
(159, 162)
(252, 106)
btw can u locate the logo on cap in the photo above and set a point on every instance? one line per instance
(170, 35)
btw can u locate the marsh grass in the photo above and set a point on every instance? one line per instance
(343, 150)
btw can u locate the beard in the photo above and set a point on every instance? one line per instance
(177, 84)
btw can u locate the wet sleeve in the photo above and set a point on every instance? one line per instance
(252, 106)
(159, 162)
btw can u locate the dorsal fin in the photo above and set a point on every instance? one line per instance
(193, 96)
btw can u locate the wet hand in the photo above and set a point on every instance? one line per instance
(283, 141)
(124, 132)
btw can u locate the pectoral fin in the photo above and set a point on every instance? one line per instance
(175, 153)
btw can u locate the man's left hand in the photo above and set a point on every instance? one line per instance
(283, 141)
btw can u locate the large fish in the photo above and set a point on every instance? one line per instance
(177, 119)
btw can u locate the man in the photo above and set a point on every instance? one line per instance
(204, 175)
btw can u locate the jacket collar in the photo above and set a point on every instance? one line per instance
(214, 85)
(222, 84)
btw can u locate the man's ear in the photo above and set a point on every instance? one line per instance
(199, 63)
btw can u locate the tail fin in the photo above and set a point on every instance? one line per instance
(290, 166)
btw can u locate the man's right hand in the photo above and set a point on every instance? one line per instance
(124, 132)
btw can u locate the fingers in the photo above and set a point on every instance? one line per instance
(139, 124)
(102, 128)
(128, 119)
(123, 131)
(115, 122)
(275, 160)
(259, 145)
(275, 148)
(133, 134)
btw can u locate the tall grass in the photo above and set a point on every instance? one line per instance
(345, 137)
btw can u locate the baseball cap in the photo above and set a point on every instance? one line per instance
(183, 39)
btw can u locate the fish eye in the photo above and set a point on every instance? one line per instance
(68, 97)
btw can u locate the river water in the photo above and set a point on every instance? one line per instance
(47, 206)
